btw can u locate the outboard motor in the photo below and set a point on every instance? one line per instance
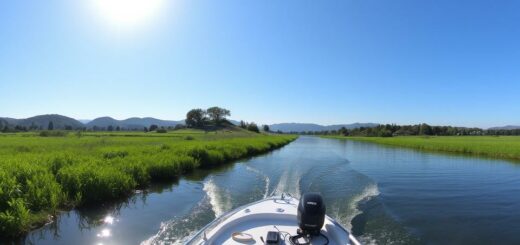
(311, 214)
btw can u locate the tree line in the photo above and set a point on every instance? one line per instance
(19, 128)
(390, 130)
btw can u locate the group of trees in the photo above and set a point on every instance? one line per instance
(498, 132)
(4, 127)
(19, 128)
(249, 126)
(162, 129)
(389, 130)
(216, 117)
(213, 116)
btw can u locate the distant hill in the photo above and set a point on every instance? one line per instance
(60, 122)
(3, 123)
(131, 123)
(508, 127)
(234, 122)
(84, 121)
(11, 121)
(304, 127)
(42, 122)
(103, 122)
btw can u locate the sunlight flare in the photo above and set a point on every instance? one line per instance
(127, 13)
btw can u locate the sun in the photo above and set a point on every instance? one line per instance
(127, 13)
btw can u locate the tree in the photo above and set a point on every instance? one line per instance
(68, 127)
(145, 129)
(266, 128)
(118, 128)
(20, 128)
(179, 126)
(33, 126)
(196, 118)
(153, 127)
(343, 131)
(217, 114)
(425, 129)
(253, 127)
(50, 126)
(384, 133)
(110, 128)
(243, 124)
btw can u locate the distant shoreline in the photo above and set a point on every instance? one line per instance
(503, 147)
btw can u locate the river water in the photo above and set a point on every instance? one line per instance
(385, 195)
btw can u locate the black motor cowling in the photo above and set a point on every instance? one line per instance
(311, 213)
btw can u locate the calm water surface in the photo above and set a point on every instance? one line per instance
(385, 195)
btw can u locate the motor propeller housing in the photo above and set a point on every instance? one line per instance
(311, 213)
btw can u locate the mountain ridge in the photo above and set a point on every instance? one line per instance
(43, 121)
(305, 127)
(131, 123)
(507, 127)
(62, 122)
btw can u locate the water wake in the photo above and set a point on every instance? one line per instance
(264, 176)
(178, 230)
(289, 182)
(219, 198)
(368, 193)
(346, 218)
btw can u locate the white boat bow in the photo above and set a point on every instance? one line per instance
(250, 224)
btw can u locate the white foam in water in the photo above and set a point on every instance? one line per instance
(280, 187)
(266, 179)
(289, 182)
(367, 240)
(154, 239)
(167, 232)
(219, 199)
(353, 211)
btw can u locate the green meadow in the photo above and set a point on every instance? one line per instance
(507, 147)
(41, 173)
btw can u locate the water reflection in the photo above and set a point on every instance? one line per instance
(109, 220)
(104, 233)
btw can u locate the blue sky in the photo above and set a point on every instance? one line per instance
(434, 61)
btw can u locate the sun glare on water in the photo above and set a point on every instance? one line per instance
(127, 13)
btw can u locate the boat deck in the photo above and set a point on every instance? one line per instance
(255, 220)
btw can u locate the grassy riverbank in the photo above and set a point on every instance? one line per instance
(40, 175)
(507, 147)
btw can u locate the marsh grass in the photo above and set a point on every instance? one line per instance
(506, 147)
(39, 175)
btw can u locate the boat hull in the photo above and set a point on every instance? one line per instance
(250, 224)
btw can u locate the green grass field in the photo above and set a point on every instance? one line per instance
(40, 175)
(507, 147)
